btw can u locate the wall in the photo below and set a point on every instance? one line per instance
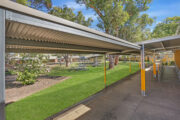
(177, 57)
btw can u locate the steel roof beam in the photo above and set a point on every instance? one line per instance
(10, 41)
(164, 39)
(17, 50)
(163, 45)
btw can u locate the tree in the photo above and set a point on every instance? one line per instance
(169, 27)
(110, 16)
(68, 14)
(121, 18)
(136, 28)
(43, 5)
(23, 2)
(110, 13)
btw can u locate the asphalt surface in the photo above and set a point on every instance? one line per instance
(124, 101)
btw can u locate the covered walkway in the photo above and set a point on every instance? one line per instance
(123, 102)
(27, 30)
(30, 31)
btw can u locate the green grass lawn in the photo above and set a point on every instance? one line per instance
(81, 85)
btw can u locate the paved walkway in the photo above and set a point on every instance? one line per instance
(124, 102)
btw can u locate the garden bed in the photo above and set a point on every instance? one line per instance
(16, 91)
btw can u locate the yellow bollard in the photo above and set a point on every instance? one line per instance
(154, 69)
(129, 67)
(143, 87)
(158, 71)
(139, 64)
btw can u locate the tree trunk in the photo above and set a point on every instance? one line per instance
(111, 57)
(66, 57)
(95, 61)
(70, 59)
(111, 61)
(116, 60)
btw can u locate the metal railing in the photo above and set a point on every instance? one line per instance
(178, 72)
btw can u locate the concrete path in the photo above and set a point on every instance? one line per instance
(124, 102)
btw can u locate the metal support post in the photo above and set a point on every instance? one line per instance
(2, 64)
(159, 74)
(154, 65)
(143, 85)
(130, 64)
(139, 62)
(105, 70)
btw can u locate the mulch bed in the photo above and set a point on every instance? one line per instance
(16, 91)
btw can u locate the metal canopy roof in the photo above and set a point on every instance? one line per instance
(30, 30)
(162, 44)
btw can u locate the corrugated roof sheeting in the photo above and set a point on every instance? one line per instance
(162, 44)
(30, 28)
(38, 14)
(32, 49)
(23, 31)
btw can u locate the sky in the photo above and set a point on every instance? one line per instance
(160, 9)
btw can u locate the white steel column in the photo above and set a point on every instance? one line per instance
(154, 65)
(105, 70)
(2, 64)
(143, 84)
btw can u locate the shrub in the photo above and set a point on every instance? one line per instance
(10, 72)
(29, 68)
(172, 63)
(169, 63)
(26, 77)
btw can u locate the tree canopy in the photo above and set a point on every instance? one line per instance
(170, 26)
(68, 14)
(110, 14)
(122, 18)
(43, 5)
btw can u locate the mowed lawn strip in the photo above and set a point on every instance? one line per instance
(81, 85)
